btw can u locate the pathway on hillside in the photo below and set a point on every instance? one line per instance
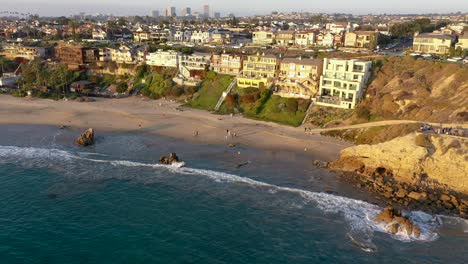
(384, 123)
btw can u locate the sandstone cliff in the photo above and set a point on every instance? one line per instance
(412, 159)
(419, 170)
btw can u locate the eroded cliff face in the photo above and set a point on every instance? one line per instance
(413, 159)
(424, 172)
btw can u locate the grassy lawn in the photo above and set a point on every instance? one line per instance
(263, 105)
(287, 111)
(210, 91)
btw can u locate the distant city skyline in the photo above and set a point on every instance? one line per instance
(239, 7)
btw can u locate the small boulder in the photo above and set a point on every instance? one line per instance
(401, 193)
(173, 158)
(86, 139)
(422, 196)
(394, 222)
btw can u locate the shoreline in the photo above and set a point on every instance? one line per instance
(168, 119)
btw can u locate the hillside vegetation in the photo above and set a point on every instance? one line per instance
(416, 89)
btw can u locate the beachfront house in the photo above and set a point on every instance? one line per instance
(162, 58)
(259, 71)
(76, 55)
(227, 63)
(299, 77)
(342, 82)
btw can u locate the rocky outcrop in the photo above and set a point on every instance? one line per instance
(169, 160)
(86, 139)
(416, 170)
(395, 223)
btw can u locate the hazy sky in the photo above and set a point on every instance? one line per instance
(239, 7)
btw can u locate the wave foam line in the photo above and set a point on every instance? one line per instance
(359, 214)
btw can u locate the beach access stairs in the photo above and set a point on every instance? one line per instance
(309, 110)
(225, 94)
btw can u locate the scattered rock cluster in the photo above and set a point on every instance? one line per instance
(86, 139)
(169, 160)
(394, 222)
(435, 198)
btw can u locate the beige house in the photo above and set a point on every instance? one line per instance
(162, 58)
(299, 77)
(19, 51)
(285, 38)
(227, 63)
(259, 71)
(462, 42)
(362, 39)
(433, 43)
(263, 37)
(342, 82)
(305, 39)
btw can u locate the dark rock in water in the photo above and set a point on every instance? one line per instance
(171, 159)
(86, 139)
(242, 164)
(52, 195)
(395, 222)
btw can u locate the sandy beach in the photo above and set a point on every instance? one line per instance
(164, 118)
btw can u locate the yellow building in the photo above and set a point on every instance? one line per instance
(462, 42)
(227, 63)
(432, 43)
(299, 77)
(259, 71)
(362, 39)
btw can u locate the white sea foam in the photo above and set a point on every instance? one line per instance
(358, 214)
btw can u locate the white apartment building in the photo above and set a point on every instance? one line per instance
(162, 58)
(342, 82)
(195, 61)
(200, 37)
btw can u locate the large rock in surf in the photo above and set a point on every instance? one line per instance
(86, 139)
(394, 222)
(169, 160)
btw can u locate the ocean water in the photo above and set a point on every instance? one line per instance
(113, 203)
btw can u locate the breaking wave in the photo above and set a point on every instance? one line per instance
(358, 214)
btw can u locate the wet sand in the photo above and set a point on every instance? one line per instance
(165, 118)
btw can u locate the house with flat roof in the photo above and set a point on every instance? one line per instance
(462, 42)
(259, 71)
(299, 77)
(162, 58)
(227, 63)
(433, 43)
(343, 82)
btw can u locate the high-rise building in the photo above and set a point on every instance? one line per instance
(155, 14)
(170, 11)
(217, 15)
(186, 11)
(206, 11)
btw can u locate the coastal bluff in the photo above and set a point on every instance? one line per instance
(422, 169)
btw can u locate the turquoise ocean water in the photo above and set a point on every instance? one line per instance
(114, 204)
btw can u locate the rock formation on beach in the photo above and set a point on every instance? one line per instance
(86, 139)
(394, 222)
(169, 160)
(417, 169)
